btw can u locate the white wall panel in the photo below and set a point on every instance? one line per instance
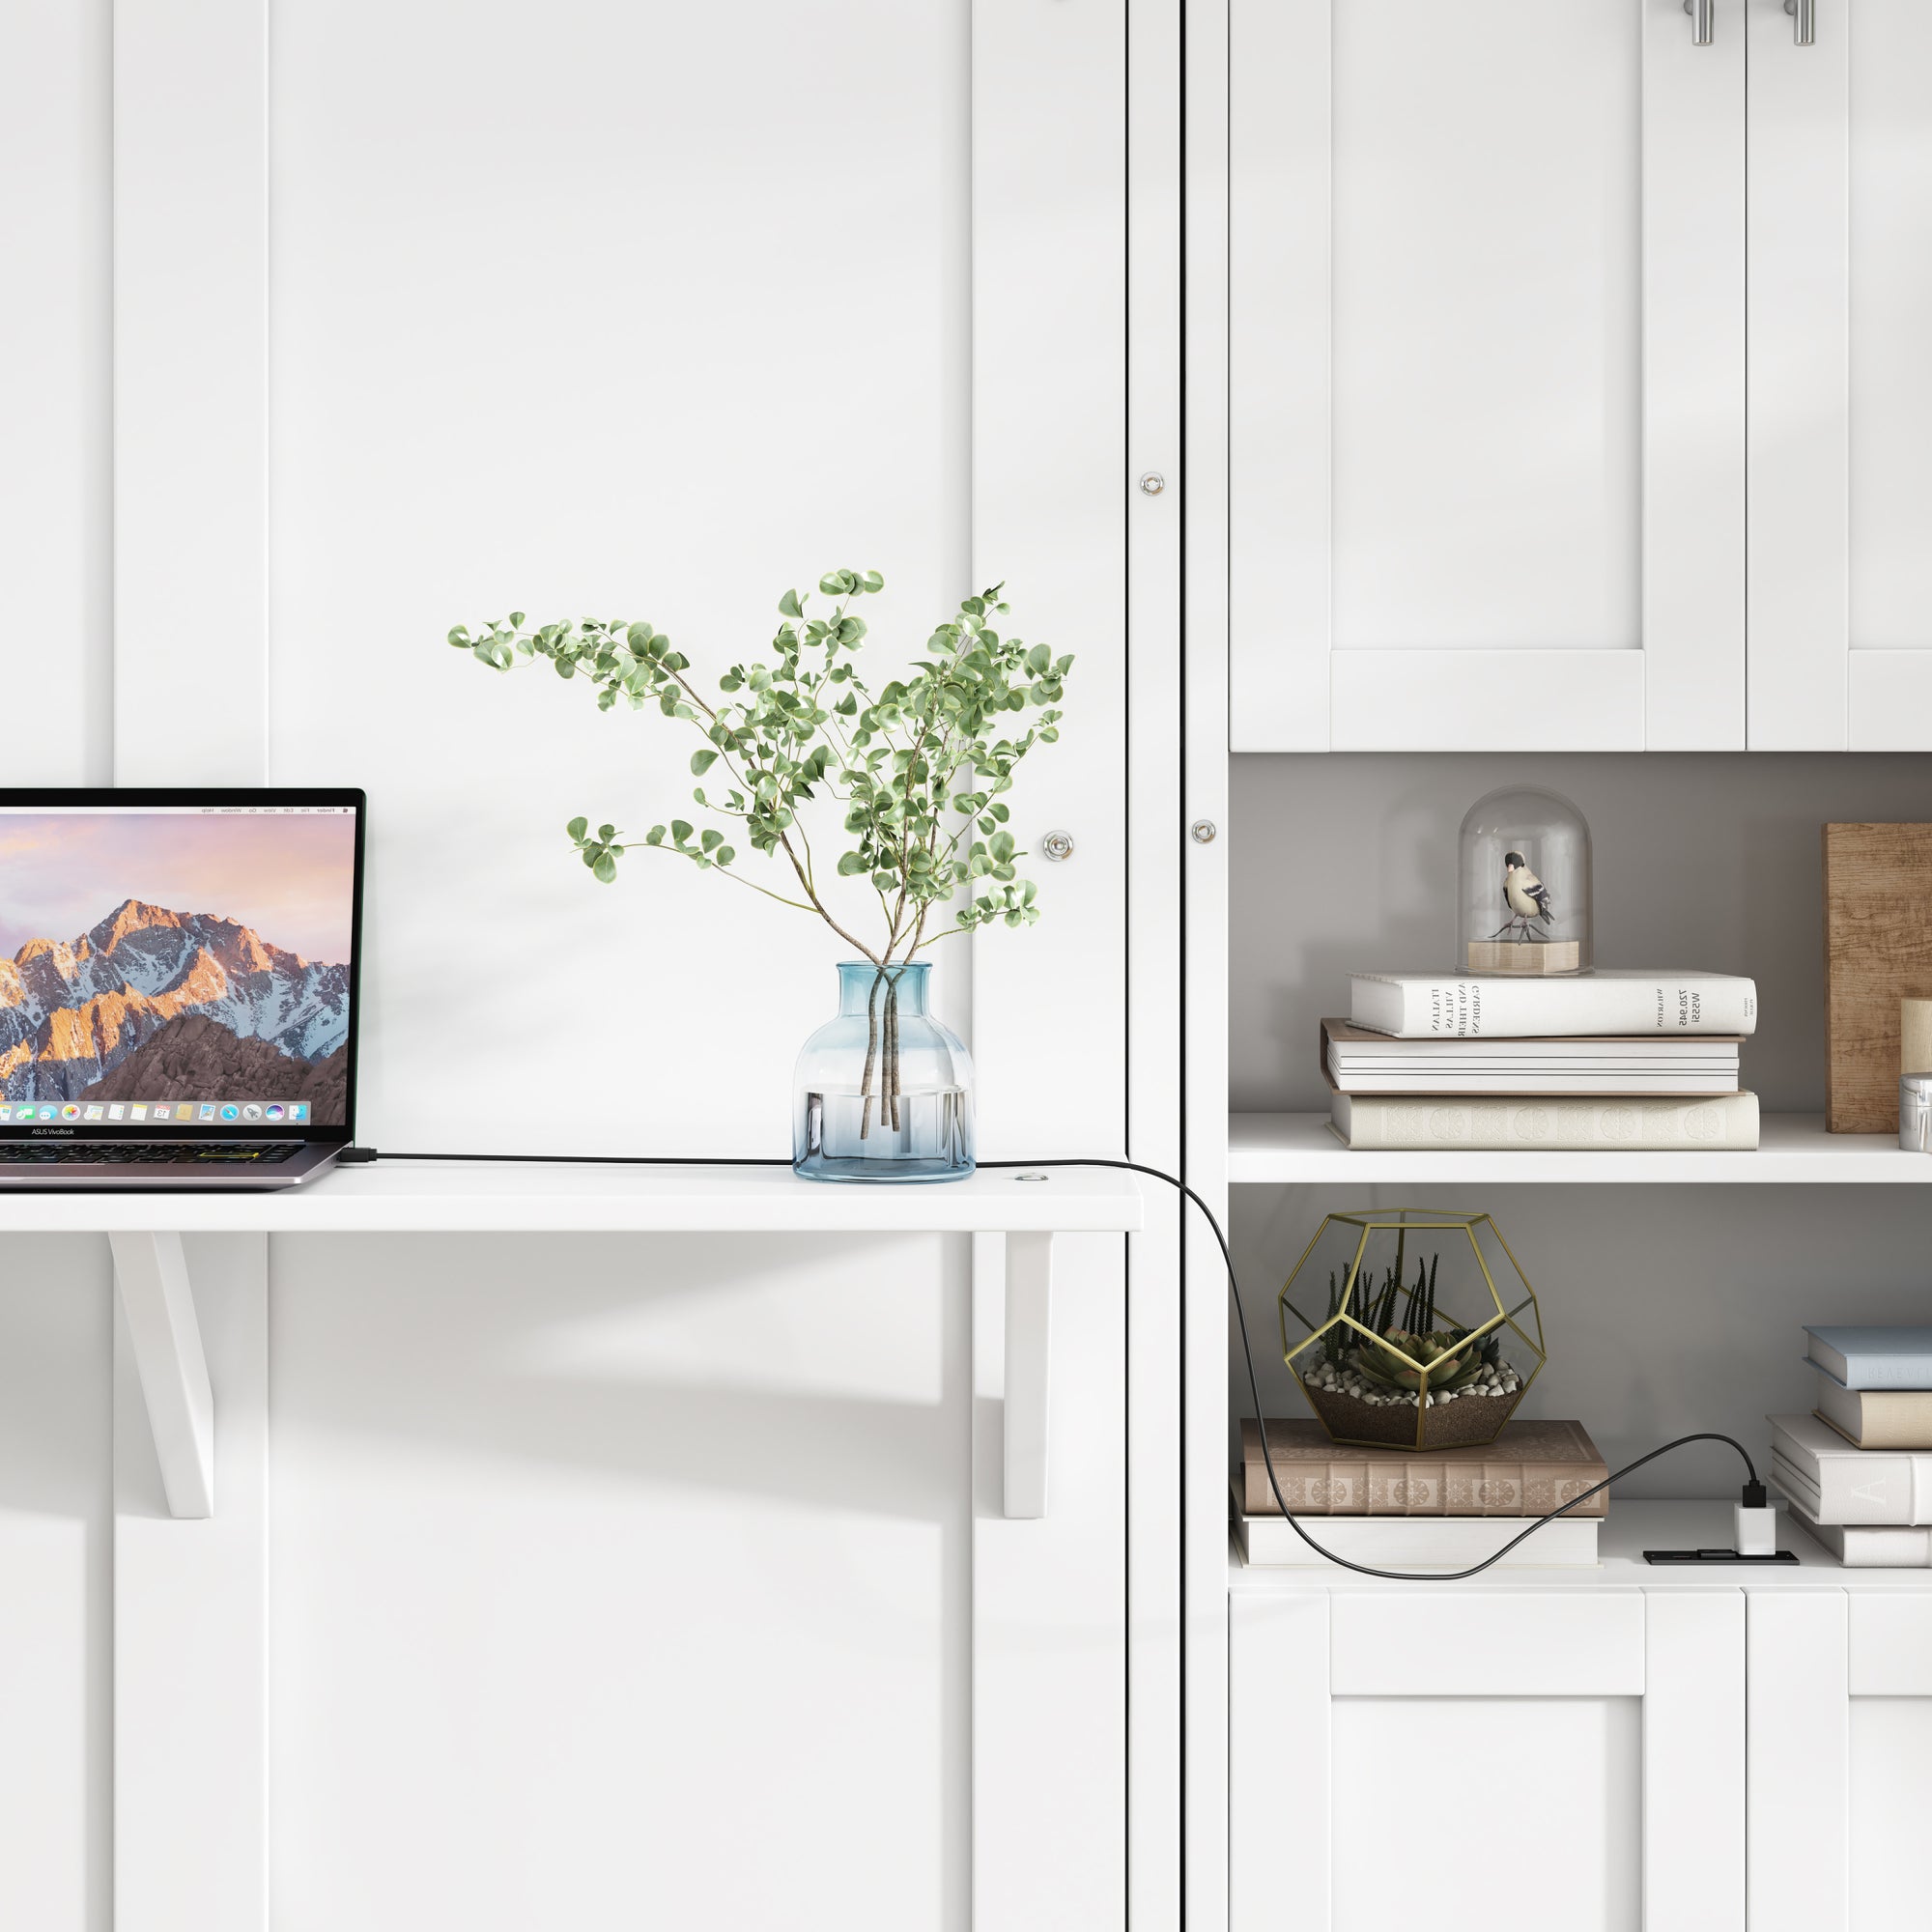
(609, 310)
(56, 1585)
(1051, 1850)
(56, 513)
(609, 1570)
(191, 1632)
(641, 310)
(1050, 495)
(190, 392)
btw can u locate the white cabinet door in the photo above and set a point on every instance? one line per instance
(1840, 293)
(1494, 1760)
(1841, 1759)
(1487, 375)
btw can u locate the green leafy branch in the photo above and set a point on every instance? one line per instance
(917, 769)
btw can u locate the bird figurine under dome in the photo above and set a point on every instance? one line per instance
(1527, 899)
(1532, 846)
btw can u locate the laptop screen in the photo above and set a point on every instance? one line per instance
(181, 965)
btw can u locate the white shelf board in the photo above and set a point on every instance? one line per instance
(475, 1197)
(1794, 1147)
(478, 1197)
(1630, 1529)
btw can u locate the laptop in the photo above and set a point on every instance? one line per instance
(178, 986)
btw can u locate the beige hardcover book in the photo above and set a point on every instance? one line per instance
(1876, 1418)
(1724, 1122)
(1531, 1467)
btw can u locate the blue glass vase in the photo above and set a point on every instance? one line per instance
(884, 1091)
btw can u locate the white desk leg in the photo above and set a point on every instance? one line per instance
(1029, 1336)
(167, 1340)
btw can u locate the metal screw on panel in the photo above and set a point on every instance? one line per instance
(1203, 831)
(1058, 846)
(1153, 483)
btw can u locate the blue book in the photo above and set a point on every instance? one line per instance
(1874, 1359)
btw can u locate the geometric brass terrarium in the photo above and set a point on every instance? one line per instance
(1411, 1328)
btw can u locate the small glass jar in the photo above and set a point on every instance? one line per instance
(1523, 899)
(884, 1091)
(1914, 1113)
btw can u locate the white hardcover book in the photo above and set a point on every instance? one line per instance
(1468, 1005)
(1351, 1045)
(1839, 1484)
(1503, 1081)
(1417, 1542)
(1859, 1548)
(1726, 1124)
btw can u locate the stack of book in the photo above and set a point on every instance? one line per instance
(1858, 1472)
(1433, 1510)
(1609, 1060)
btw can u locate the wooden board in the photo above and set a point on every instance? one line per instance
(1878, 950)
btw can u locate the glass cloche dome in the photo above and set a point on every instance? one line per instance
(1525, 902)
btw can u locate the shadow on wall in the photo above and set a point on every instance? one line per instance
(565, 1353)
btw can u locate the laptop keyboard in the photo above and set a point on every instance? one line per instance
(145, 1154)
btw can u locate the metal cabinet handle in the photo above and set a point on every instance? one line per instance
(1701, 13)
(1804, 19)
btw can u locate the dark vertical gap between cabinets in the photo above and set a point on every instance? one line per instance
(1181, 1143)
(1127, 803)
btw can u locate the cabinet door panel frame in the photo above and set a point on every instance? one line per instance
(1799, 424)
(1682, 686)
(1291, 1654)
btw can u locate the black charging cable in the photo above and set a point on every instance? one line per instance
(1753, 1491)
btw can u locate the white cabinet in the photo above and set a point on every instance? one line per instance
(1746, 1757)
(1487, 375)
(1496, 274)
(1488, 1759)
(1840, 291)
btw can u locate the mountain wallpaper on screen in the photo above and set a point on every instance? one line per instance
(152, 1004)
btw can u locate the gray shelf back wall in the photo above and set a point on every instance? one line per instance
(1702, 859)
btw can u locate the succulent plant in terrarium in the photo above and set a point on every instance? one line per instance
(1415, 1352)
(1388, 1364)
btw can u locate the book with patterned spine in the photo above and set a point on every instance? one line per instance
(1422, 1542)
(1530, 1468)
